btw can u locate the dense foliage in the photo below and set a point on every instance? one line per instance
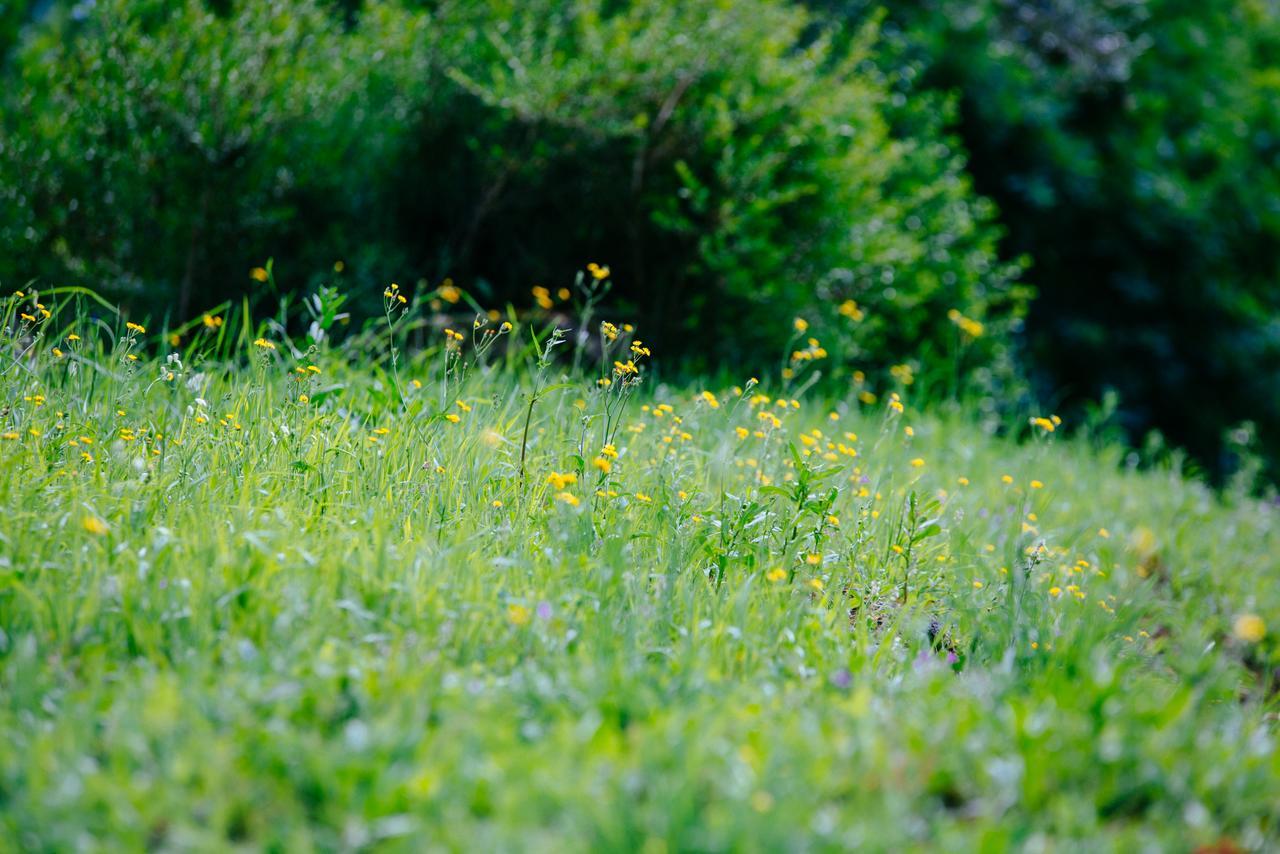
(1133, 147)
(258, 591)
(732, 162)
(728, 161)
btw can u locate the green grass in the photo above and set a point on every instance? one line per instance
(285, 628)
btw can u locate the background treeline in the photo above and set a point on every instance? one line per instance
(869, 166)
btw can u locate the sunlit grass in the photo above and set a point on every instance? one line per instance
(304, 594)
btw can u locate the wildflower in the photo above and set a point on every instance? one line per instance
(263, 344)
(9, 436)
(73, 337)
(496, 503)
(449, 292)
(1045, 424)
(816, 584)
(1035, 484)
(94, 525)
(977, 585)
(968, 326)
(918, 462)
(741, 432)
(813, 559)
(542, 297)
(1104, 533)
(850, 309)
(562, 294)
(963, 481)
(517, 615)
(453, 418)
(597, 272)
(259, 274)
(777, 574)
(643, 499)
(603, 463)
(568, 498)
(393, 296)
(833, 521)
(559, 481)
(1055, 591)
(710, 399)
(57, 354)
(505, 327)
(770, 418)
(800, 324)
(135, 327)
(1249, 628)
(1006, 479)
(609, 451)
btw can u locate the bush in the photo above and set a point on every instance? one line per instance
(736, 165)
(1133, 148)
(153, 149)
(734, 169)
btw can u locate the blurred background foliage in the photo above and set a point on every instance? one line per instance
(873, 167)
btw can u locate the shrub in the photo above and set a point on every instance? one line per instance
(154, 149)
(1133, 148)
(736, 165)
(734, 169)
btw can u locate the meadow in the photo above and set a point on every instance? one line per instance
(284, 585)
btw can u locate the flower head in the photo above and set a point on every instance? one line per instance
(1249, 628)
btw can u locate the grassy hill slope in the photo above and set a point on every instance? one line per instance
(305, 599)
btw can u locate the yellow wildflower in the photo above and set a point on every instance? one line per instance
(517, 615)
(1249, 628)
(560, 481)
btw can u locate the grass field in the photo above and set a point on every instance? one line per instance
(264, 594)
